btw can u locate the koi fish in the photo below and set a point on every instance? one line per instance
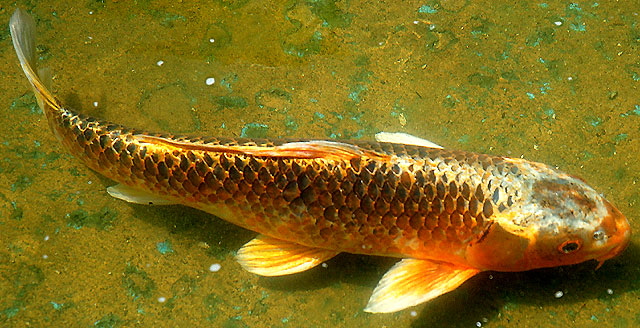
(447, 214)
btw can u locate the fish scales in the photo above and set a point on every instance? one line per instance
(448, 214)
(423, 199)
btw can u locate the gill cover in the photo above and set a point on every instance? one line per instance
(500, 247)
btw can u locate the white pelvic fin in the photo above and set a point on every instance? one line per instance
(268, 256)
(405, 139)
(411, 282)
(136, 196)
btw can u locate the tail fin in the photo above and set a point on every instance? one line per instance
(23, 34)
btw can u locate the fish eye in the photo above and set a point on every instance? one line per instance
(569, 246)
(599, 235)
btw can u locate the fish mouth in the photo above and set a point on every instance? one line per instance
(618, 242)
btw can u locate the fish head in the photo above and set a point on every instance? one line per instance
(562, 221)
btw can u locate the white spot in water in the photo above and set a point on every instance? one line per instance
(490, 277)
(215, 267)
(91, 13)
(46, 237)
(95, 104)
(162, 299)
(609, 291)
(558, 294)
(89, 182)
(160, 62)
(413, 313)
(570, 78)
(212, 40)
(324, 265)
(558, 23)
(478, 324)
(416, 22)
(45, 256)
(210, 81)
(432, 27)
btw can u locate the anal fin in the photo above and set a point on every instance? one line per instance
(136, 196)
(268, 256)
(411, 282)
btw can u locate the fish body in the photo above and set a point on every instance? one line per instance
(447, 214)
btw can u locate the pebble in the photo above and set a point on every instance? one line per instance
(413, 313)
(162, 299)
(558, 294)
(210, 81)
(215, 267)
(609, 291)
(160, 62)
(402, 119)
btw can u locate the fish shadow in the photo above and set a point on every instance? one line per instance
(489, 294)
(222, 238)
(360, 270)
(481, 299)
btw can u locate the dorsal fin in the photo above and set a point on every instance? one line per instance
(330, 150)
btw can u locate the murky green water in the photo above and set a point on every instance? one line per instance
(555, 82)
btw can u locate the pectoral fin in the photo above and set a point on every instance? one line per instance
(268, 256)
(405, 139)
(136, 196)
(411, 282)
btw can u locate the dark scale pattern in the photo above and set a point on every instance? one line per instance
(416, 200)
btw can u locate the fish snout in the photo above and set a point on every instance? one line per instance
(618, 230)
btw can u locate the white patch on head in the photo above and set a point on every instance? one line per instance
(554, 212)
